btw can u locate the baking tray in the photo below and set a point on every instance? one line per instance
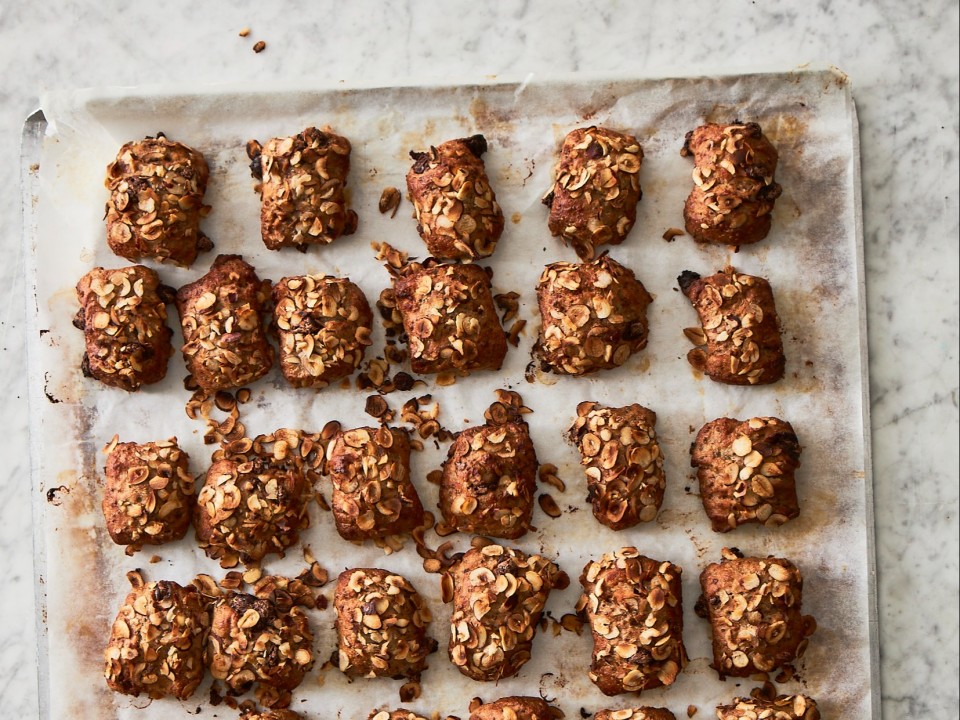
(814, 259)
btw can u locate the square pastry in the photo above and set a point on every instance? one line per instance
(593, 316)
(746, 471)
(754, 608)
(449, 318)
(373, 495)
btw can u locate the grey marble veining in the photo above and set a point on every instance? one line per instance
(901, 58)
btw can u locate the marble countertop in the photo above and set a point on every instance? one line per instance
(901, 60)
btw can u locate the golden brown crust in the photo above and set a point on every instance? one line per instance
(221, 314)
(255, 498)
(594, 199)
(252, 640)
(382, 625)
(456, 209)
(303, 178)
(449, 318)
(156, 202)
(324, 325)
(157, 641)
(498, 597)
(734, 190)
(594, 316)
(373, 496)
(746, 471)
(739, 343)
(634, 605)
(622, 460)
(124, 323)
(637, 713)
(782, 707)
(149, 493)
(516, 708)
(754, 608)
(489, 480)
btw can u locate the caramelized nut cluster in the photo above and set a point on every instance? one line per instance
(740, 341)
(456, 209)
(302, 190)
(373, 496)
(746, 471)
(149, 493)
(256, 496)
(156, 202)
(124, 323)
(754, 608)
(782, 707)
(324, 326)
(449, 318)
(594, 199)
(734, 190)
(594, 316)
(221, 314)
(624, 466)
(157, 641)
(252, 640)
(498, 596)
(634, 607)
(382, 625)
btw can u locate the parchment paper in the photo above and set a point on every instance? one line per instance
(811, 258)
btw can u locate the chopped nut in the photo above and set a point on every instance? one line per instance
(549, 505)
(259, 46)
(389, 201)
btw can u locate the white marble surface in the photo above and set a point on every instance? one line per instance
(901, 58)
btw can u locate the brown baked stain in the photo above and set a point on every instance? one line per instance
(493, 123)
(786, 132)
(516, 218)
(418, 141)
(600, 101)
